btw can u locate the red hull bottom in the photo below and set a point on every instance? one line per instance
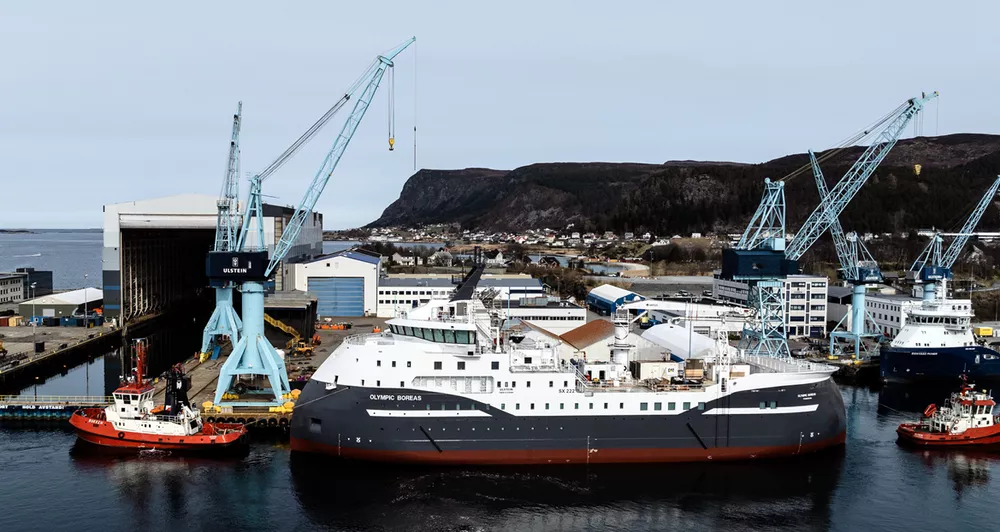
(99, 432)
(976, 437)
(574, 456)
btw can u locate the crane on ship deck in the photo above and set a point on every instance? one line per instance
(254, 359)
(762, 260)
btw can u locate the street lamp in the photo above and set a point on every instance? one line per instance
(85, 320)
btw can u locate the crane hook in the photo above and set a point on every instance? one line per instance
(392, 142)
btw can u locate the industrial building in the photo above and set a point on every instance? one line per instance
(11, 288)
(345, 283)
(890, 311)
(32, 282)
(606, 299)
(62, 304)
(400, 292)
(155, 250)
(805, 301)
(551, 314)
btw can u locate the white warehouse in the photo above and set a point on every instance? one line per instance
(344, 283)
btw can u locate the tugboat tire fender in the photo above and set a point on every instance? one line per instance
(121, 435)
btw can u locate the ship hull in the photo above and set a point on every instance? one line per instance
(340, 422)
(911, 434)
(901, 364)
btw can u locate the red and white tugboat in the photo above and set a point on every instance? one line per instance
(134, 422)
(965, 419)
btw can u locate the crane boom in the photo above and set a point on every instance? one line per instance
(227, 223)
(829, 210)
(373, 76)
(836, 229)
(951, 255)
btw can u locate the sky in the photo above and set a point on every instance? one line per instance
(106, 102)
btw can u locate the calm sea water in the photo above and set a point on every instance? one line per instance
(74, 258)
(49, 483)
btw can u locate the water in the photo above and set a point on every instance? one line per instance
(69, 255)
(50, 484)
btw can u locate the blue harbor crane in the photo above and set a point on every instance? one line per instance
(762, 260)
(858, 267)
(224, 321)
(254, 359)
(934, 266)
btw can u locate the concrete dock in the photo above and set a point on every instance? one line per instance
(205, 375)
(63, 346)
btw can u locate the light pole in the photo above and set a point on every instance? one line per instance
(85, 319)
(33, 324)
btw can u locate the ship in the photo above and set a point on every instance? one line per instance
(966, 419)
(937, 344)
(134, 423)
(449, 383)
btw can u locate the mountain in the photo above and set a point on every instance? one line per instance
(679, 197)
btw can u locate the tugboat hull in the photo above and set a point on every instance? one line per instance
(214, 437)
(910, 434)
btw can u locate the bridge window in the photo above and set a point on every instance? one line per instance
(449, 337)
(438, 335)
(462, 337)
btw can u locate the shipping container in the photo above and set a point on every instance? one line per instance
(3, 321)
(982, 331)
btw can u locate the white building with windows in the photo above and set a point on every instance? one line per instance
(397, 293)
(890, 312)
(805, 302)
(11, 288)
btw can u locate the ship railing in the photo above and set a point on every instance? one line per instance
(56, 399)
(357, 339)
(779, 365)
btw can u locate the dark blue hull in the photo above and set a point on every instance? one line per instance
(899, 364)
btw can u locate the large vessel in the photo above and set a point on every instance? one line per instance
(445, 384)
(936, 343)
(135, 422)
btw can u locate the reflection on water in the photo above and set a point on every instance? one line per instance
(50, 483)
(793, 494)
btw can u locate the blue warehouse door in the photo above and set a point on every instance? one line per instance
(338, 296)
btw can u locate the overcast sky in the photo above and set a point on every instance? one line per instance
(104, 102)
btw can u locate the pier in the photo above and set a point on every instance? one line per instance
(63, 347)
(46, 407)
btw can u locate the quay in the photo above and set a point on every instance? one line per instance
(46, 407)
(204, 377)
(61, 347)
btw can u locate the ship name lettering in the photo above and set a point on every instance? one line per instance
(391, 397)
(807, 395)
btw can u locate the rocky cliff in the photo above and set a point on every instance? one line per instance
(686, 196)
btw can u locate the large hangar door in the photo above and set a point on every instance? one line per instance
(338, 296)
